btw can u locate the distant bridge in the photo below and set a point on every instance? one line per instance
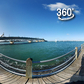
(29, 39)
(6, 38)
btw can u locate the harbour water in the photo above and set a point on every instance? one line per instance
(39, 51)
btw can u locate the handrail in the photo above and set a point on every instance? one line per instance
(12, 67)
(53, 58)
(12, 71)
(44, 75)
(13, 58)
(49, 71)
(54, 67)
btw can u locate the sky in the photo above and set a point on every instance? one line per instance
(38, 19)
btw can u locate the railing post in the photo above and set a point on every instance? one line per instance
(29, 68)
(82, 46)
(76, 52)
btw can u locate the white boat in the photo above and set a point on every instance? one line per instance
(56, 40)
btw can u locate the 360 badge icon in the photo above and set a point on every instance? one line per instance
(65, 12)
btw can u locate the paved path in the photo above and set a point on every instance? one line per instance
(74, 72)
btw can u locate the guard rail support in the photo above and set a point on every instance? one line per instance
(29, 68)
(76, 52)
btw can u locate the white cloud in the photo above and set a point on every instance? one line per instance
(77, 12)
(53, 7)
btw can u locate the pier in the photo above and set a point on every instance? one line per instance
(70, 69)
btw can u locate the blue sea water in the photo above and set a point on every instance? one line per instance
(39, 51)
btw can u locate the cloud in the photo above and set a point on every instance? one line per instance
(53, 7)
(77, 12)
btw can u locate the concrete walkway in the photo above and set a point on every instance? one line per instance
(74, 72)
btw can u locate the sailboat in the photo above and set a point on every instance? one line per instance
(56, 40)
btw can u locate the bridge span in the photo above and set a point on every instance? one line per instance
(22, 39)
(6, 38)
(71, 69)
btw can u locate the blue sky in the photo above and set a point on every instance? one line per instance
(38, 18)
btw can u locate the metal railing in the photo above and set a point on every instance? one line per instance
(38, 68)
(12, 65)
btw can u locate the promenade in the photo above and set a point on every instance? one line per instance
(75, 72)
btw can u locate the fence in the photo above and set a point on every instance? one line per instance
(33, 69)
